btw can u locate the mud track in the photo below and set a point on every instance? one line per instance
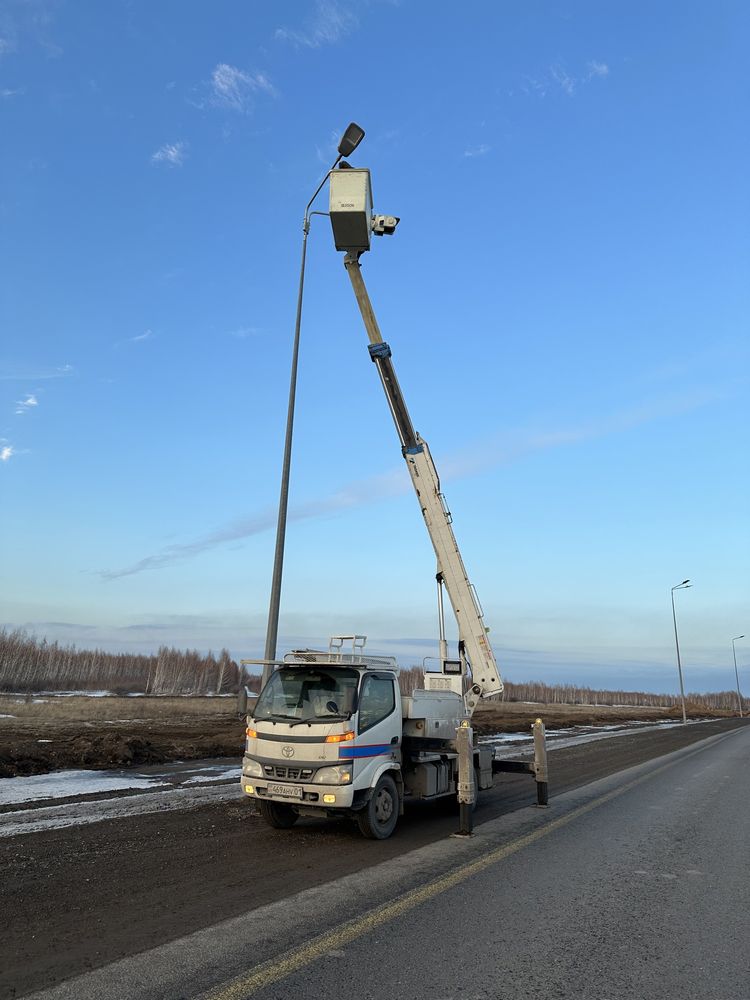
(79, 898)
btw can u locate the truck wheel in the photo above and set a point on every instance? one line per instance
(379, 817)
(278, 815)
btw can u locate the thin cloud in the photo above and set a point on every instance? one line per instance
(566, 82)
(171, 154)
(330, 22)
(5, 93)
(236, 89)
(140, 337)
(36, 375)
(6, 452)
(558, 77)
(24, 405)
(353, 495)
(480, 150)
(500, 451)
(597, 69)
(243, 332)
(326, 153)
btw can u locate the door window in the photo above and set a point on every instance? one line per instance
(377, 701)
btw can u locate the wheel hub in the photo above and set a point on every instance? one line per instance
(383, 807)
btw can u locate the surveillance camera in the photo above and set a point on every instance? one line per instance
(384, 225)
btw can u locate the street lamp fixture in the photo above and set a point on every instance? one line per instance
(736, 675)
(348, 143)
(680, 586)
(350, 139)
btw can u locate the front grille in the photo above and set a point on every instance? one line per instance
(288, 773)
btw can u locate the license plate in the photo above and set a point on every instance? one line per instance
(290, 791)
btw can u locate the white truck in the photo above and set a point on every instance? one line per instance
(330, 732)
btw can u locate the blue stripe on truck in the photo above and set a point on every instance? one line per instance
(347, 753)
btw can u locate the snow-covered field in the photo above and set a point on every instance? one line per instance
(148, 790)
(518, 742)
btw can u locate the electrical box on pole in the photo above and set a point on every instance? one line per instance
(351, 209)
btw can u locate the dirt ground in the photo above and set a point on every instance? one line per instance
(52, 733)
(130, 884)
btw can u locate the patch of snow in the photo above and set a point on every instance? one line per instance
(81, 813)
(60, 784)
(216, 774)
(63, 694)
(83, 784)
(559, 739)
(502, 738)
(7, 716)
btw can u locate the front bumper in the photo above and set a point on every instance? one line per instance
(313, 796)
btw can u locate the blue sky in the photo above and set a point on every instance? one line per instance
(566, 299)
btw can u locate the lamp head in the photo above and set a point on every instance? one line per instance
(351, 139)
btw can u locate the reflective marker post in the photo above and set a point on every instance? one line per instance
(540, 763)
(466, 784)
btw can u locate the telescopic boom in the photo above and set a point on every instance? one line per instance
(473, 644)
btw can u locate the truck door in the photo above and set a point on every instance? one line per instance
(379, 727)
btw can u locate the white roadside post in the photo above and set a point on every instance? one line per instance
(466, 783)
(540, 763)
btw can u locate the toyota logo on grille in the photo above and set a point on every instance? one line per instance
(287, 752)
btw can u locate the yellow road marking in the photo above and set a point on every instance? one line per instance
(297, 958)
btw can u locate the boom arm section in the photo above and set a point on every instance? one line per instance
(471, 629)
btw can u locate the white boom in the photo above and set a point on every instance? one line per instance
(474, 645)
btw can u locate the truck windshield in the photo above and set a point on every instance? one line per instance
(308, 694)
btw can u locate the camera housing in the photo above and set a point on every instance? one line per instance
(384, 225)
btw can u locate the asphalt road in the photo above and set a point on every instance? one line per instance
(643, 893)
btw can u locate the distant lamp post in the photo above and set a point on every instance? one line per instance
(736, 675)
(349, 142)
(680, 586)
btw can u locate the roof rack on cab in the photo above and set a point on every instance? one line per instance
(336, 654)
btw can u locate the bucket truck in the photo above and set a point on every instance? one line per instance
(330, 732)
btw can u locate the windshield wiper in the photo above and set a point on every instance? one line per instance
(274, 716)
(321, 718)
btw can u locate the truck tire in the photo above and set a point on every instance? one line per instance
(378, 819)
(278, 815)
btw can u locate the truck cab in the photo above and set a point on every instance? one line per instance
(330, 733)
(325, 730)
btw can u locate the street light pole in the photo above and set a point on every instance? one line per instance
(680, 586)
(736, 675)
(349, 142)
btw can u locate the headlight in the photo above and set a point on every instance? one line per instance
(251, 768)
(341, 775)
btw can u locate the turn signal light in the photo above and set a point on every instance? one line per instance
(251, 733)
(340, 737)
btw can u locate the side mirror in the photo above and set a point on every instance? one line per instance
(242, 701)
(351, 139)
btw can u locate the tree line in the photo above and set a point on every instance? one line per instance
(575, 694)
(30, 664)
